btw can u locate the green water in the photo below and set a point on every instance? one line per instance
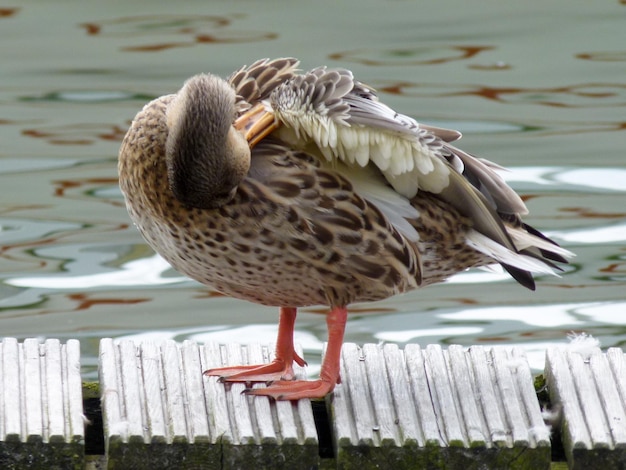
(537, 87)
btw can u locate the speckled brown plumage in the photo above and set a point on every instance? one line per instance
(291, 224)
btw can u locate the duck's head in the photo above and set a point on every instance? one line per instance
(206, 156)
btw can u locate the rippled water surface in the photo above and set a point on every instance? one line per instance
(537, 87)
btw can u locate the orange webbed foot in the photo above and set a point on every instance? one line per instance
(293, 389)
(278, 369)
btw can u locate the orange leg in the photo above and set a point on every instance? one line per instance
(329, 375)
(281, 368)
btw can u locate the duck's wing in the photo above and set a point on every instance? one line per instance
(253, 83)
(345, 120)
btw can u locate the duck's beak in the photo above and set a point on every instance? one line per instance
(256, 124)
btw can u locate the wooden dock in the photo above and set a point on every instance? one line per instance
(411, 408)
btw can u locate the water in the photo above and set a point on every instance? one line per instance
(536, 87)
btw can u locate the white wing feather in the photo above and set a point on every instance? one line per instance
(347, 122)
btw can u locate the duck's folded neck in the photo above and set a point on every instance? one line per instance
(206, 157)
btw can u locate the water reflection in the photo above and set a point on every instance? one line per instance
(76, 134)
(7, 12)
(141, 272)
(433, 55)
(193, 29)
(583, 95)
(603, 56)
(610, 234)
(85, 96)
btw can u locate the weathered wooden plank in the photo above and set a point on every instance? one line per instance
(11, 392)
(617, 362)
(150, 361)
(115, 428)
(40, 404)
(200, 448)
(73, 386)
(610, 401)
(32, 382)
(398, 379)
(504, 366)
(539, 433)
(198, 424)
(215, 396)
(385, 413)
(353, 360)
(241, 420)
(589, 400)
(457, 427)
(131, 391)
(198, 421)
(468, 408)
(54, 402)
(443, 396)
(588, 386)
(175, 400)
(424, 402)
(563, 392)
(487, 396)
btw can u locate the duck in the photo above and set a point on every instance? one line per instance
(292, 189)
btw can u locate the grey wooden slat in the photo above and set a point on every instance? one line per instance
(261, 405)
(293, 431)
(11, 389)
(488, 397)
(175, 400)
(303, 414)
(54, 378)
(400, 389)
(380, 394)
(344, 432)
(415, 363)
(609, 399)
(563, 391)
(134, 405)
(589, 401)
(240, 411)
(618, 367)
(353, 358)
(286, 419)
(150, 361)
(32, 379)
(215, 395)
(508, 395)
(445, 403)
(462, 382)
(115, 428)
(197, 415)
(74, 383)
(539, 433)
